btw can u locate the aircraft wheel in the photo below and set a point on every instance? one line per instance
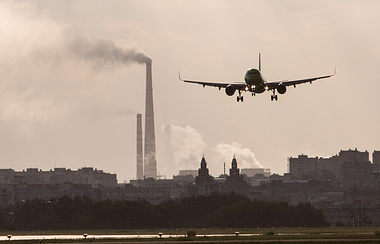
(242, 99)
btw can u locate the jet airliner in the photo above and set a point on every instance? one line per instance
(256, 84)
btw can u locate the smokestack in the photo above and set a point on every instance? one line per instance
(139, 153)
(150, 163)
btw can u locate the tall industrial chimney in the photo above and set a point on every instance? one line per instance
(150, 163)
(139, 152)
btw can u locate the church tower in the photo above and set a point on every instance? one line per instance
(203, 175)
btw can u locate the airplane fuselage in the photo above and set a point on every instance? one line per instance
(254, 80)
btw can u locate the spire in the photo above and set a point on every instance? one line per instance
(234, 171)
(234, 163)
(203, 163)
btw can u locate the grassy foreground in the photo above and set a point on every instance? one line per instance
(267, 235)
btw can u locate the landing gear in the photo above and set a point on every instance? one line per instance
(239, 97)
(274, 96)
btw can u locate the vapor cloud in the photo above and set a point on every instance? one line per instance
(184, 146)
(245, 157)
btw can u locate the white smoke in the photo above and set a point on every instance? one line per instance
(184, 146)
(244, 156)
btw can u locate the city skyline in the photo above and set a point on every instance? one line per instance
(346, 156)
(64, 105)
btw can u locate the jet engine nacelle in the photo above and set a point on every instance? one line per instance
(230, 90)
(281, 88)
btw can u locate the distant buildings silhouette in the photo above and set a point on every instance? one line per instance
(346, 186)
(17, 186)
(350, 167)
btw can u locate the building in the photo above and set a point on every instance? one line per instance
(353, 156)
(376, 157)
(203, 177)
(376, 161)
(87, 175)
(303, 166)
(329, 168)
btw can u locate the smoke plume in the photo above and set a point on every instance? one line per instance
(245, 157)
(103, 52)
(183, 145)
(35, 48)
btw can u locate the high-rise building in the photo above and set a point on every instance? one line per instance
(303, 166)
(353, 156)
(376, 157)
(355, 166)
(150, 163)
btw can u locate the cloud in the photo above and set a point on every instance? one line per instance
(42, 64)
(244, 156)
(184, 146)
(26, 33)
(26, 107)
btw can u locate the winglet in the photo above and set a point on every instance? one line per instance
(334, 71)
(179, 75)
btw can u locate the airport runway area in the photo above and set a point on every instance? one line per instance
(268, 237)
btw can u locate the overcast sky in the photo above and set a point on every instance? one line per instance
(65, 101)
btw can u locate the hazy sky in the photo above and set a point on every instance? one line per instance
(68, 99)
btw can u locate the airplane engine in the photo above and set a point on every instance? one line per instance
(281, 88)
(230, 90)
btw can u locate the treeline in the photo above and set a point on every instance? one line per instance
(194, 212)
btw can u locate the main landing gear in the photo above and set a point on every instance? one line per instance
(274, 96)
(239, 97)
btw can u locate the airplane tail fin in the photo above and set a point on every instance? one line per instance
(259, 61)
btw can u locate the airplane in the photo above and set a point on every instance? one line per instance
(256, 84)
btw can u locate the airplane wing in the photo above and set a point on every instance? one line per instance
(274, 84)
(237, 85)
